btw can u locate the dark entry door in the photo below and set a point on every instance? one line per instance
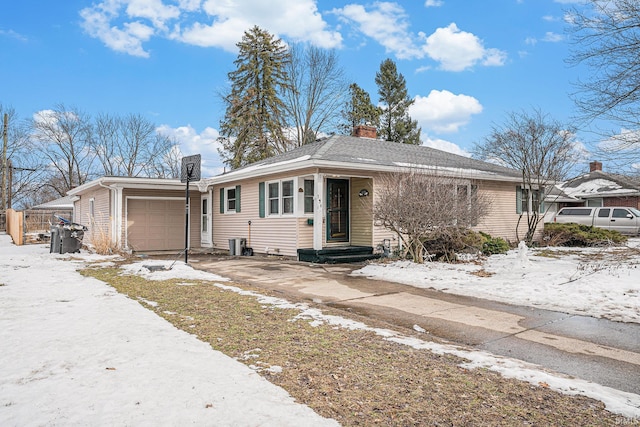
(337, 210)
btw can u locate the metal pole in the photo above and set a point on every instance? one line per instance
(3, 190)
(10, 186)
(186, 224)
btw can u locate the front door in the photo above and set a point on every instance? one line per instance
(205, 222)
(337, 210)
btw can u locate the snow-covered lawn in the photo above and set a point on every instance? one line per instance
(74, 351)
(597, 282)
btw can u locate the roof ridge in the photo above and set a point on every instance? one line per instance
(324, 147)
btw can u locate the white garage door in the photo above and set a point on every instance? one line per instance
(154, 225)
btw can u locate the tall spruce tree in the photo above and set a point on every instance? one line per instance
(252, 127)
(395, 123)
(359, 110)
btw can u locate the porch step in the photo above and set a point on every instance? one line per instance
(337, 255)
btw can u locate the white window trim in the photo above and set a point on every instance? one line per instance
(301, 202)
(294, 199)
(226, 200)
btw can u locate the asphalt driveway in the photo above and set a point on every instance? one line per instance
(597, 350)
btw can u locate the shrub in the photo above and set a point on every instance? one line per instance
(580, 235)
(446, 246)
(494, 245)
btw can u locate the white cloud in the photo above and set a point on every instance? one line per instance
(532, 41)
(552, 37)
(14, 35)
(443, 111)
(204, 143)
(208, 23)
(444, 145)
(387, 24)
(433, 3)
(458, 50)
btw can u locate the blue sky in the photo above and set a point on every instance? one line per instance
(467, 63)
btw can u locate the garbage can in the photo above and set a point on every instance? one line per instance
(54, 244)
(71, 238)
(240, 245)
(232, 246)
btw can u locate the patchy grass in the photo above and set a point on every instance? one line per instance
(353, 376)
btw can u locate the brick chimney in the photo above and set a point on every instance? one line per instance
(364, 131)
(595, 166)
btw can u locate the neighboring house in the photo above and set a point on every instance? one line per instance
(321, 195)
(137, 214)
(597, 188)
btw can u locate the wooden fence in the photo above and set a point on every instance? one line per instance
(15, 226)
(33, 225)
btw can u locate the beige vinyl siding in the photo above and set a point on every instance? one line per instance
(305, 233)
(99, 225)
(361, 212)
(501, 219)
(281, 235)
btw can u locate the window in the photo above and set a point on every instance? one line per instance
(529, 200)
(287, 197)
(230, 199)
(620, 213)
(603, 213)
(280, 197)
(205, 218)
(92, 208)
(308, 195)
(274, 198)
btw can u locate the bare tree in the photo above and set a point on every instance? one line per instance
(63, 137)
(420, 207)
(605, 37)
(542, 149)
(318, 91)
(129, 146)
(19, 167)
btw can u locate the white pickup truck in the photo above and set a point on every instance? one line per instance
(623, 219)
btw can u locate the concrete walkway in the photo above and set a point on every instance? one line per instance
(597, 350)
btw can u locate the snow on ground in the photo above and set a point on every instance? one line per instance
(601, 283)
(77, 352)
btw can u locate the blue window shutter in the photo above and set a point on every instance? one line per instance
(518, 199)
(261, 199)
(237, 198)
(222, 200)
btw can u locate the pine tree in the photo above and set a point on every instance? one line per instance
(252, 128)
(359, 110)
(395, 123)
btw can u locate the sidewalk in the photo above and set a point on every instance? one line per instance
(75, 352)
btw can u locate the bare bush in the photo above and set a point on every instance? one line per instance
(420, 207)
(101, 240)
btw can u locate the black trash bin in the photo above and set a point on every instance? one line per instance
(71, 238)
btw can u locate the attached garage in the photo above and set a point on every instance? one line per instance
(155, 224)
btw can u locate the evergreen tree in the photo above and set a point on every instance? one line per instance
(395, 123)
(252, 128)
(359, 110)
